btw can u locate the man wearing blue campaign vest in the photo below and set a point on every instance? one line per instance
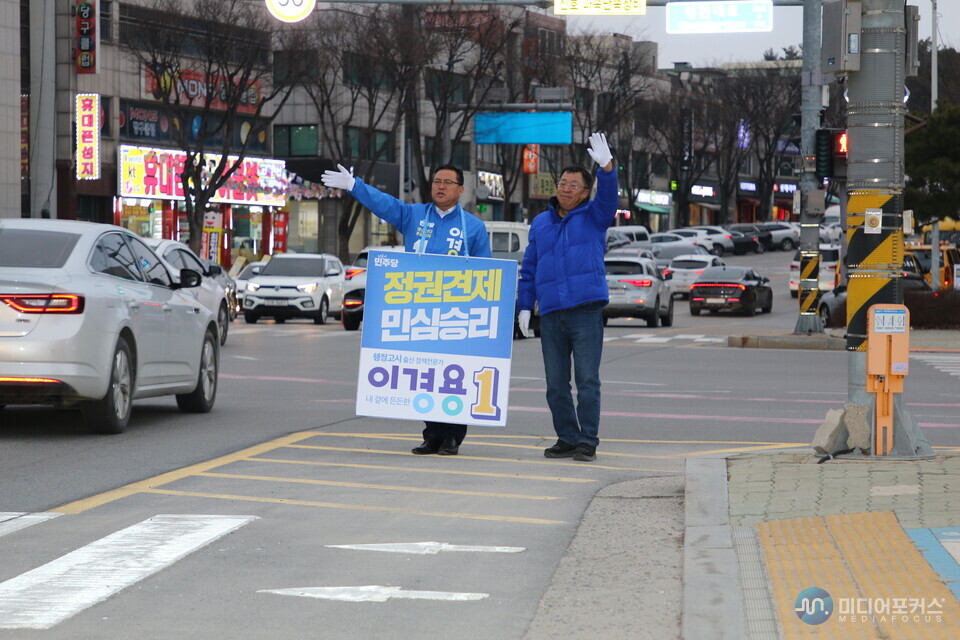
(441, 226)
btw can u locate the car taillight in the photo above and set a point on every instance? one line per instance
(44, 302)
(30, 380)
(699, 271)
(638, 283)
(350, 302)
(353, 272)
(729, 237)
(667, 272)
(728, 285)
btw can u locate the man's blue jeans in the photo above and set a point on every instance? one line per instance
(574, 335)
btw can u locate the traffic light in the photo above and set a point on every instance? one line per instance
(823, 150)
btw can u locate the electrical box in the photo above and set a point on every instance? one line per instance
(840, 36)
(888, 362)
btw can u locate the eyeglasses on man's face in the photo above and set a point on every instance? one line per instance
(447, 183)
(573, 186)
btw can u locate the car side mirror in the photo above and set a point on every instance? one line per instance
(669, 276)
(764, 280)
(189, 279)
(214, 270)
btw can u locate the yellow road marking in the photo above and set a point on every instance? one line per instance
(783, 445)
(354, 507)
(79, 506)
(512, 476)
(386, 487)
(852, 556)
(546, 438)
(563, 461)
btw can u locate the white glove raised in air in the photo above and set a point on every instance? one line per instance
(342, 179)
(599, 150)
(523, 319)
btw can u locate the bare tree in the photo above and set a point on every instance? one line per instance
(367, 65)
(225, 47)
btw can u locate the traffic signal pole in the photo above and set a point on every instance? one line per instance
(811, 191)
(875, 178)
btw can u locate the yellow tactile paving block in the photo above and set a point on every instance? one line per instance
(881, 585)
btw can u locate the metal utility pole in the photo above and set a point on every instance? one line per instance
(875, 178)
(811, 194)
(933, 59)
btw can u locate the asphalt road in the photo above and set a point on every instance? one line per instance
(269, 485)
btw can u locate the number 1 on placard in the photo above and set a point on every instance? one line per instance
(486, 380)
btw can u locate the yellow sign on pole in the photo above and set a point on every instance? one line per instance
(600, 7)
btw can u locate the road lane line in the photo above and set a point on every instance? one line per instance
(354, 507)
(11, 521)
(383, 487)
(383, 467)
(85, 504)
(47, 595)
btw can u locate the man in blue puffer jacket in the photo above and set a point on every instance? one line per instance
(441, 226)
(563, 271)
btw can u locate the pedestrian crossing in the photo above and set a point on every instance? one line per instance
(945, 362)
(654, 338)
(62, 588)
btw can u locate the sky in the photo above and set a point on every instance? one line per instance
(711, 49)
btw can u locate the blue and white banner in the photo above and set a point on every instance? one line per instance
(437, 338)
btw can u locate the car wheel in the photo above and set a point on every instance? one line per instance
(759, 248)
(767, 308)
(279, 320)
(223, 322)
(201, 399)
(717, 250)
(824, 314)
(787, 244)
(751, 308)
(794, 293)
(694, 311)
(653, 320)
(351, 321)
(250, 318)
(605, 318)
(323, 312)
(111, 413)
(667, 319)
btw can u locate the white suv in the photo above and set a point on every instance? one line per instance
(829, 263)
(297, 285)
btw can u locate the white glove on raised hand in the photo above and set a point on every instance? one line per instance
(599, 150)
(342, 179)
(523, 319)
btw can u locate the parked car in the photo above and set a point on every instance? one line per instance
(764, 238)
(832, 307)
(91, 318)
(616, 239)
(831, 233)
(783, 236)
(722, 240)
(298, 285)
(508, 240)
(686, 268)
(636, 232)
(700, 237)
(356, 288)
(743, 244)
(829, 263)
(229, 285)
(667, 251)
(638, 290)
(251, 269)
(730, 288)
(210, 293)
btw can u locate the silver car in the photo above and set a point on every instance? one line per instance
(638, 290)
(90, 317)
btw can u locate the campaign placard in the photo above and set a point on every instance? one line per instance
(437, 338)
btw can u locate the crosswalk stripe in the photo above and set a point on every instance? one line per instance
(11, 521)
(945, 362)
(47, 595)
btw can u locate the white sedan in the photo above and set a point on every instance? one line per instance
(90, 317)
(211, 294)
(685, 269)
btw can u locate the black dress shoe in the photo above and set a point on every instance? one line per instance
(449, 447)
(428, 447)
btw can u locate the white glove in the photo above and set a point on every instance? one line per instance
(523, 319)
(599, 150)
(342, 179)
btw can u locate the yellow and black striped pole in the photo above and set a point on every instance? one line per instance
(874, 257)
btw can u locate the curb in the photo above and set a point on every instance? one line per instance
(822, 342)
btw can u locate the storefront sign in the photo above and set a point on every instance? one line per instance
(281, 223)
(489, 186)
(24, 136)
(600, 7)
(196, 89)
(88, 136)
(785, 188)
(155, 173)
(437, 338)
(543, 186)
(651, 197)
(211, 236)
(703, 191)
(291, 10)
(87, 36)
(748, 187)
